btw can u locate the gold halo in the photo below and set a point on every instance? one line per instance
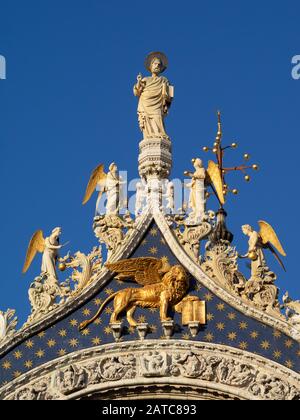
(157, 54)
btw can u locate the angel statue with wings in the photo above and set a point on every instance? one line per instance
(164, 286)
(49, 247)
(266, 238)
(109, 183)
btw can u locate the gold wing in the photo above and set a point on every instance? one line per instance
(216, 180)
(97, 176)
(143, 271)
(268, 235)
(36, 244)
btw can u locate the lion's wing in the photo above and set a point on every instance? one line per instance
(141, 270)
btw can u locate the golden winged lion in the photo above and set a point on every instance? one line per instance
(164, 286)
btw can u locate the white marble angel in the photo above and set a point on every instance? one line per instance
(49, 247)
(266, 238)
(170, 196)
(111, 184)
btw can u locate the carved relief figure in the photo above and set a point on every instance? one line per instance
(164, 287)
(155, 96)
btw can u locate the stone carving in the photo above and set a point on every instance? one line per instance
(69, 380)
(43, 294)
(190, 236)
(8, 323)
(90, 266)
(220, 264)
(243, 375)
(155, 96)
(116, 368)
(292, 310)
(111, 231)
(154, 364)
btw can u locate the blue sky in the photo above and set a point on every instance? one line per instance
(67, 105)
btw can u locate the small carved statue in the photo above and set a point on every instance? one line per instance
(140, 198)
(200, 178)
(155, 96)
(170, 196)
(258, 241)
(110, 183)
(49, 247)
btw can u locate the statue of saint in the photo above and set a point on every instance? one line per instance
(155, 97)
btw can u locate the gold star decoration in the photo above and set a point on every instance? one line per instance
(98, 321)
(208, 297)
(210, 317)
(288, 344)
(62, 333)
(6, 365)
(231, 316)
(265, 345)
(51, 343)
(221, 307)
(153, 232)
(232, 336)
(28, 364)
(144, 242)
(209, 337)
(254, 335)
(96, 341)
(40, 353)
(142, 319)
(108, 311)
(107, 330)
(153, 250)
(62, 352)
(276, 334)
(18, 355)
(85, 332)
(86, 312)
(277, 354)
(42, 334)
(243, 345)
(220, 326)
(73, 342)
(165, 260)
(98, 301)
(289, 364)
(243, 325)
(16, 374)
(73, 323)
(185, 336)
(109, 291)
(29, 344)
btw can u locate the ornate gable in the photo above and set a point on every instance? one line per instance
(223, 336)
